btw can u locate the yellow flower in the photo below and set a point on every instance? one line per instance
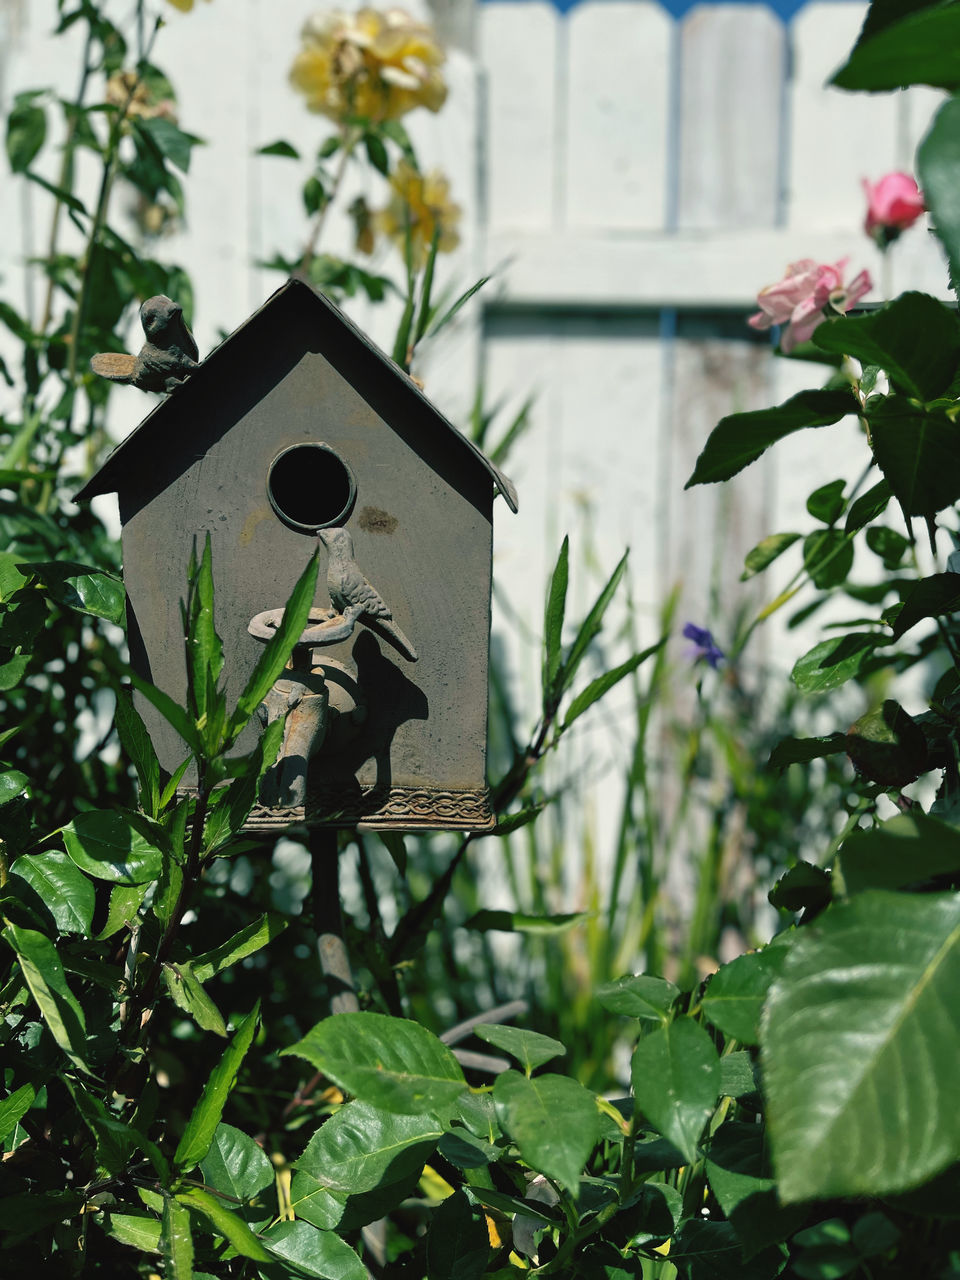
(423, 202)
(372, 64)
(183, 5)
(126, 90)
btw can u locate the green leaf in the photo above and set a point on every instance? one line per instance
(171, 712)
(14, 785)
(889, 545)
(553, 1120)
(276, 651)
(915, 338)
(676, 1079)
(867, 507)
(124, 907)
(938, 170)
(278, 148)
(765, 552)
(43, 972)
(116, 1139)
(236, 1165)
(81, 587)
(522, 818)
(111, 845)
(376, 153)
(553, 621)
(14, 1108)
(458, 1246)
(733, 1000)
(590, 627)
(932, 597)
(711, 1251)
(832, 662)
(860, 1046)
(205, 1117)
(251, 939)
(746, 1193)
(518, 922)
(737, 1079)
(448, 315)
(313, 1252)
(826, 503)
(135, 741)
(918, 453)
(741, 438)
(529, 1048)
(187, 994)
(228, 1224)
(804, 887)
(922, 48)
(360, 1148)
(171, 141)
(13, 671)
(800, 750)
(11, 579)
(603, 684)
(26, 132)
(905, 850)
(204, 652)
(392, 1063)
(67, 893)
(643, 997)
(176, 1241)
(138, 1230)
(828, 557)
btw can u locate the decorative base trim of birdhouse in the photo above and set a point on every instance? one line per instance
(374, 809)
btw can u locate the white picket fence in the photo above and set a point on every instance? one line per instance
(630, 179)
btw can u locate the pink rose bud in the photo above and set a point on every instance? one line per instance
(893, 204)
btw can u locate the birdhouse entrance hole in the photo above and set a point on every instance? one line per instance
(310, 487)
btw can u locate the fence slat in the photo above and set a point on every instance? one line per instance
(518, 47)
(732, 61)
(615, 164)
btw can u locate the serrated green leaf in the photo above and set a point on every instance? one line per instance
(205, 1117)
(915, 338)
(741, 438)
(832, 662)
(676, 1080)
(931, 597)
(67, 893)
(639, 996)
(529, 1048)
(860, 1045)
(902, 851)
(362, 1147)
(139, 1231)
(313, 1252)
(918, 453)
(530, 1111)
(734, 997)
(112, 845)
(171, 141)
(392, 1063)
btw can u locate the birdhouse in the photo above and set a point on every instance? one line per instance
(297, 428)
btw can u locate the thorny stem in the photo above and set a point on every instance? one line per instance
(349, 139)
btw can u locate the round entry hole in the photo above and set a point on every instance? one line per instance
(310, 487)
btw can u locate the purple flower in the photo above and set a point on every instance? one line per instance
(705, 648)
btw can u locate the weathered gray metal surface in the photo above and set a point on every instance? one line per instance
(420, 521)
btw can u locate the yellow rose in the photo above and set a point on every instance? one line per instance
(378, 65)
(423, 202)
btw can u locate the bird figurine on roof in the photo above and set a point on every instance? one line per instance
(166, 359)
(352, 594)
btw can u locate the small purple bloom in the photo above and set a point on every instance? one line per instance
(705, 648)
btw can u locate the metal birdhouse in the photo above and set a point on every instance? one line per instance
(297, 428)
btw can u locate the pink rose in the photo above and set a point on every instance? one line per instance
(808, 293)
(893, 204)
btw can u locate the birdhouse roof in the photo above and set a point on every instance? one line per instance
(167, 430)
